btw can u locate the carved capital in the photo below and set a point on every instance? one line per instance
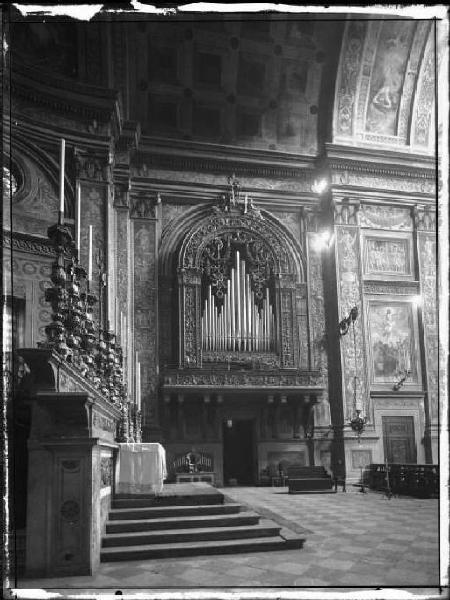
(424, 218)
(311, 218)
(143, 206)
(129, 137)
(122, 194)
(191, 276)
(346, 212)
(93, 167)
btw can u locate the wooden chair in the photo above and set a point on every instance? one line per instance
(274, 474)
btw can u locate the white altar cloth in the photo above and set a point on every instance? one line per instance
(142, 468)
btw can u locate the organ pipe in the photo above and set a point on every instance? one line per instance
(239, 324)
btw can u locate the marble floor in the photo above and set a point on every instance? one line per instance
(353, 540)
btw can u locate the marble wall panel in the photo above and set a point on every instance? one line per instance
(145, 313)
(427, 268)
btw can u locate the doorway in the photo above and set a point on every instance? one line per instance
(239, 451)
(399, 440)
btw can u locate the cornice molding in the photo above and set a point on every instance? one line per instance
(403, 288)
(25, 242)
(66, 96)
(390, 163)
(192, 192)
(359, 166)
(216, 158)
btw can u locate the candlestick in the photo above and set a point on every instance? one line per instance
(78, 223)
(137, 375)
(139, 387)
(61, 179)
(90, 255)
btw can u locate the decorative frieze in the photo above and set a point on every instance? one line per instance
(352, 53)
(415, 56)
(426, 95)
(406, 288)
(253, 360)
(204, 168)
(385, 217)
(23, 242)
(369, 177)
(103, 422)
(244, 379)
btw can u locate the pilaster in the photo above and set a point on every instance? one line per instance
(145, 213)
(425, 226)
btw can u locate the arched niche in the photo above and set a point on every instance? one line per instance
(256, 237)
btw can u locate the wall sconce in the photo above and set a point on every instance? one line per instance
(309, 431)
(323, 240)
(319, 186)
(358, 423)
(417, 300)
(229, 423)
(399, 384)
(344, 325)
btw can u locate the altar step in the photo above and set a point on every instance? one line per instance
(155, 512)
(308, 480)
(142, 528)
(264, 544)
(183, 522)
(167, 501)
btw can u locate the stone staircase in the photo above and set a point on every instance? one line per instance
(309, 480)
(141, 528)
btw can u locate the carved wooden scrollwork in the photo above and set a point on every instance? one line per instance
(206, 262)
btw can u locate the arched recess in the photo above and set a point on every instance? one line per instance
(35, 203)
(385, 84)
(260, 239)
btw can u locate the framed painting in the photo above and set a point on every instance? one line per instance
(388, 257)
(393, 342)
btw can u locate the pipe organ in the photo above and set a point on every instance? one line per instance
(241, 322)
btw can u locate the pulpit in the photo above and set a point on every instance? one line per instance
(141, 469)
(70, 463)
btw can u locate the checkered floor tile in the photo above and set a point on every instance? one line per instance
(351, 538)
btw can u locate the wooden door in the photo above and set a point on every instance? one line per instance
(239, 452)
(399, 440)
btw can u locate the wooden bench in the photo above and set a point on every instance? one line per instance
(309, 480)
(193, 466)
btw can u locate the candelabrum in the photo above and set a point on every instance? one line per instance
(358, 423)
(75, 335)
(399, 384)
(344, 325)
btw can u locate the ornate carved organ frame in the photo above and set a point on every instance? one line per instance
(239, 275)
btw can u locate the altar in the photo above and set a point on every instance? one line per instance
(142, 468)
